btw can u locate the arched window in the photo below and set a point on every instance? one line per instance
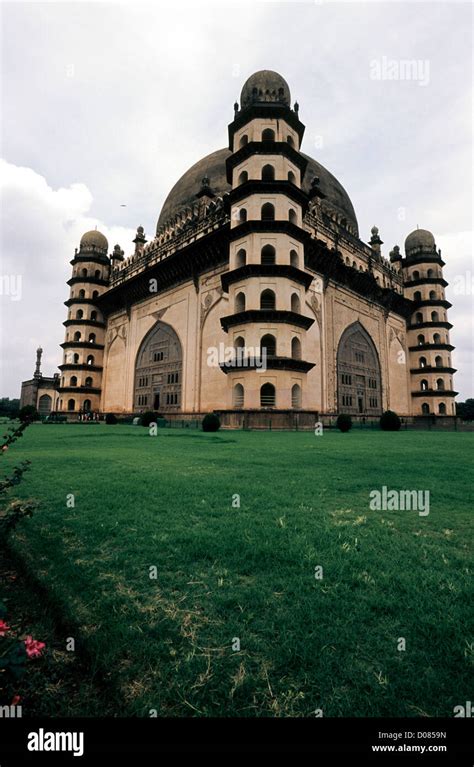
(244, 140)
(430, 273)
(73, 381)
(239, 343)
(97, 274)
(238, 395)
(93, 315)
(244, 176)
(95, 294)
(84, 273)
(296, 396)
(421, 339)
(424, 385)
(77, 336)
(86, 405)
(425, 408)
(292, 217)
(442, 408)
(71, 405)
(291, 177)
(436, 338)
(268, 343)
(240, 303)
(267, 255)
(267, 299)
(419, 317)
(82, 293)
(295, 303)
(296, 348)
(88, 381)
(90, 359)
(289, 140)
(268, 173)
(348, 261)
(92, 338)
(268, 212)
(268, 135)
(417, 296)
(267, 395)
(354, 265)
(422, 362)
(294, 259)
(432, 295)
(79, 314)
(434, 317)
(439, 361)
(75, 359)
(416, 275)
(440, 384)
(242, 215)
(241, 258)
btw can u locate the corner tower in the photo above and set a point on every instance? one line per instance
(266, 281)
(81, 371)
(431, 370)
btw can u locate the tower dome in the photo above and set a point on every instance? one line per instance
(420, 239)
(94, 239)
(265, 86)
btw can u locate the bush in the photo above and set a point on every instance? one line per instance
(390, 421)
(344, 422)
(110, 418)
(28, 413)
(211, 422)
(148, 418)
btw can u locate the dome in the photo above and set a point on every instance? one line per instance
(95, 239)
(183, 194)
(420, 238)
(265, 86)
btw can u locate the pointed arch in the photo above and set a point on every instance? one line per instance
(359, 382)
(158, 370)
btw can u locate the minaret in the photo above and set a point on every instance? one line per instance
(428, 330)
(81, 371)
(39, 353)
(266, 281)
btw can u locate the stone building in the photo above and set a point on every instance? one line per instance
(256, 297)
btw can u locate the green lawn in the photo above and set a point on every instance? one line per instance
(249, 573)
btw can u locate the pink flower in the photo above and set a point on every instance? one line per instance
(33, 647)
(3, 628)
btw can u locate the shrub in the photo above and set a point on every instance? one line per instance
(148, 418)
(344, 422)
(211, 422)
(28, 413)
(390, 421)
(110, 418)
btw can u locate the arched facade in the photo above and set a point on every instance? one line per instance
(158, 371)
(359, 383)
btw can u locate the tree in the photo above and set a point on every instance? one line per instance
(465, 410)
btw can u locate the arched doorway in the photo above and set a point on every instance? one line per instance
(44, 405)
(158, 371)
(359, 385)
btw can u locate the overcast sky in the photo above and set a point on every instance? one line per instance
(107, 104)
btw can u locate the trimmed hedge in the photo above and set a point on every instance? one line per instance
(148, 418)
(211, 422)
(344, 422)
(389, 421)
(111, 418)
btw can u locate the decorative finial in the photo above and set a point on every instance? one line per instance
(236, 107)
(297, 107)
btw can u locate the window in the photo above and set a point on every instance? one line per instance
(434, 317)
(417, 295)
(77, 336)
(93, 315)
(296, 348)
(416, 275)
(244, 140)
(346, 379)
(359, 356)
(421, 339)
(88, 381)
(267, 395)
(95, 294)
(424, 385)
(267, 299)
(73, 381)
(71, 405)
(79, 314)
(422, 362)
(289, 140)
(97, 274)
(239, 343)
(268, 173)
(238, 395)
(292, 217)
(268, 135)
(240, 303)
(295, 303)
(90, 359)
(442, 408)
(432, 295)
(92, 338)
(425, 408)
(291, 177)
(242, 215)
(439, 361)
(268, 343)
(440, 384)
(268, 212)
(84, 273)
(419, 317)
(241, 258)
(294, 260)
(436, 338)
(158, 356)
(82, 294)
(75, 359)
(267, 255)
(296, 396)
(430, 273)
(244, 177)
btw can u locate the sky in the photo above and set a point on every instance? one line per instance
(106, 105)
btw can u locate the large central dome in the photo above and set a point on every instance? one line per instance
(213, 167)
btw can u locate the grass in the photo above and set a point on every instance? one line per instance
(226, 573)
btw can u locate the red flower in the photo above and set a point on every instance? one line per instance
(3, 628)
(15, 700)
(33, 647)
